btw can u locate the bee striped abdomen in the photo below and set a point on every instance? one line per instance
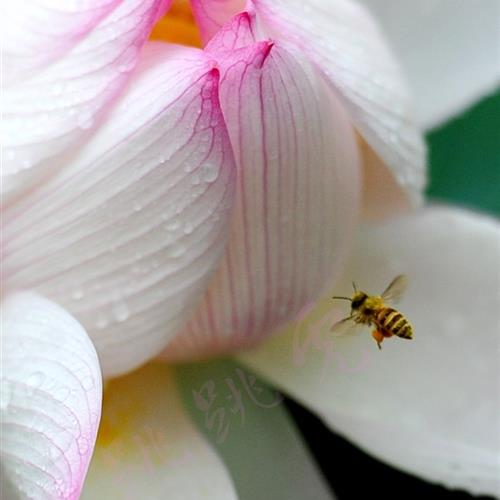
(392, 321)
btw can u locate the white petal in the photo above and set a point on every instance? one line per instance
(297, 194)
(77, 61)
(345, 43)
(148, 448)
(50, 400)
(128, 234)
(430, 405)
(448, 50)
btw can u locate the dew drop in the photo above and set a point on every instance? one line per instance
(176, 250)
(209, 172)
(34, 381)
(77, 294)
(101, 322)
(121, 311)
(172, 225)
(27, 163)
(88, 383)
(61, 394)
(188, 228)
(189, 167)
(137, 207)
(57, 89)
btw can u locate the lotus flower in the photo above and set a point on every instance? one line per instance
(176, 202)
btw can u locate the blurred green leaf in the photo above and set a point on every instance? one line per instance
(465, 158)
(260, 445)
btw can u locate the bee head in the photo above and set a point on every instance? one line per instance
(357, 300)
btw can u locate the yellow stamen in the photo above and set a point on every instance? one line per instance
(118, 421)
(178, 26)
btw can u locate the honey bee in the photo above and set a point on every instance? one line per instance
(372, 310)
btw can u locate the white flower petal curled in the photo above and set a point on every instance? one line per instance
(50, 400)
(429, 406)
(127, 235)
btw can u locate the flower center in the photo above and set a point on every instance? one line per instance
(178, 26)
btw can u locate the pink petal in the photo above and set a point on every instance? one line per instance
(127, 235)
(51, 400)
(36, 34)
(347, 46)
(68, 68)
(297, 195)
(211, 15)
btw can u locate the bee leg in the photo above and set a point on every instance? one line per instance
(379, 338)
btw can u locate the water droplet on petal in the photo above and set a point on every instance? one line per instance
(188, 228)
(172, 225)
(27, 163)
(120, 311)
(77, 294)
(189, 167)
(101, 322)
(57, 88)
(34, 381)
(61, 394)
(88, 383)
(176, 250)
(209, 172)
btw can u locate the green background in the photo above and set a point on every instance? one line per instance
(464, 157)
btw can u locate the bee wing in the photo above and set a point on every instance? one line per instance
(396, 289)
(345, 326)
